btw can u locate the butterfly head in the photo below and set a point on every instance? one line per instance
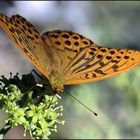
(56, 82)
(57, 89)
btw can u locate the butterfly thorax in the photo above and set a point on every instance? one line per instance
(56, 82)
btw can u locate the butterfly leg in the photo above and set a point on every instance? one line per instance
(33, 70)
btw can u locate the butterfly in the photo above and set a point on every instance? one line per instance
(65, 57)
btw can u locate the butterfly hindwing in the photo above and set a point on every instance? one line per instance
(68, 46)
(84, 61)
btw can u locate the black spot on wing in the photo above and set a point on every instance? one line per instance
(67, 42)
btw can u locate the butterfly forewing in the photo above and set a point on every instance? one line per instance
(27, 38)
(104, 65)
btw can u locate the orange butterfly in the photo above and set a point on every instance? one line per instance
(65, 57)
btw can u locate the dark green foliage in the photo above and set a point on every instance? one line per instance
(28, 104)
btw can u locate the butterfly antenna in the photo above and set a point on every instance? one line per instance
(81, 103)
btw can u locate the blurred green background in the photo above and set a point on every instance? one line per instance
(116, 100)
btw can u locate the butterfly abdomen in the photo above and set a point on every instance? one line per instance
(56, 81)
